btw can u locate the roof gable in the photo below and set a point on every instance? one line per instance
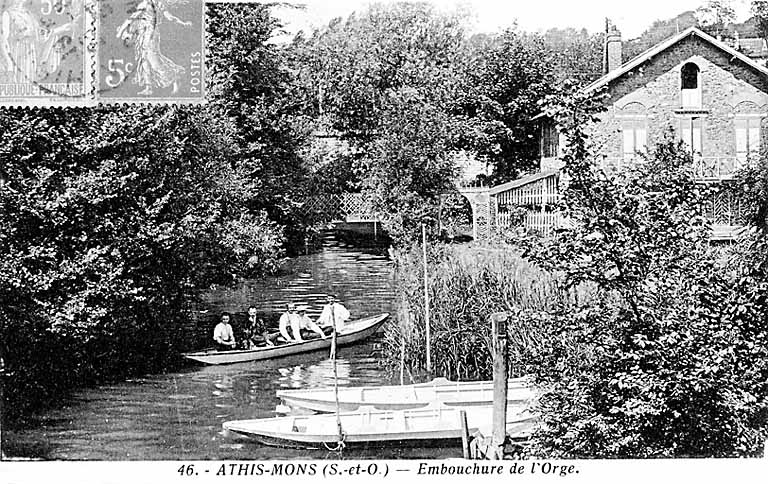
(663, 46)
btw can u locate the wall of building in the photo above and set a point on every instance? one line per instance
(729, 88)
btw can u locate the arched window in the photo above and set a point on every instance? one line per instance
(690, 83)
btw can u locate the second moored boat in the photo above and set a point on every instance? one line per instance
(403, 397)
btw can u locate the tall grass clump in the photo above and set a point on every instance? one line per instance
(466, 285)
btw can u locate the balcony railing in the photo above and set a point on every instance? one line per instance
(715, 168)
(705, 168)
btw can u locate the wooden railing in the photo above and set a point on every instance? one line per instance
(715, 168)
(536, 195)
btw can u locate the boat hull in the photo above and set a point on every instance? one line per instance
(405, 397)
(370, 427)
(353, 332)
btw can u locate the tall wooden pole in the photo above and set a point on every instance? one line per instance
(499, 335)
(336, 381)
(2, 396)
(402, 361)
(426, 300)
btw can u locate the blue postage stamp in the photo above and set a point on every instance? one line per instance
(150, 51)
(43, 59)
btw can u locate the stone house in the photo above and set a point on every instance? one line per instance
(709, 94)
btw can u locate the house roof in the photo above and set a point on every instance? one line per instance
(662, 46)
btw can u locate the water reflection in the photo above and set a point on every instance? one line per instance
(317, 375)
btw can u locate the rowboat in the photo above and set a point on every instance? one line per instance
(403, 397)
(436, 424)
(352, 332)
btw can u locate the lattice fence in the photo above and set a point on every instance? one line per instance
(724, 208)
(349, 207)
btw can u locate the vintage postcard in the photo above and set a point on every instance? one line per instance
(383, 241)
(150, 51)
(43, 59)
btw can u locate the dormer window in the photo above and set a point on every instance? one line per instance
(690, 80)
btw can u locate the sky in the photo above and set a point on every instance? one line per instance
(632, 18)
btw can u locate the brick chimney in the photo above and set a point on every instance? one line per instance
(612, 57)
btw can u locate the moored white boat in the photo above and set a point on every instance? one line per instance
(352, 332)
(378, 427)
(402, 397)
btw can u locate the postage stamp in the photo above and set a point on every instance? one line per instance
(43, 59)
(150, 51)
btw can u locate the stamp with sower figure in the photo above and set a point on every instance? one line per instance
(42, 53)
(150, 51)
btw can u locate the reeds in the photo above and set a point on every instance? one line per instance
(467, 284)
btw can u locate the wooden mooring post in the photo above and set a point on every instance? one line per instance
(499, 348)
(464, 434)
(2, 405)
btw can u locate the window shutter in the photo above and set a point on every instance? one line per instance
(642, 136)
(754, 135)
(685, 132)
(697, 126)
(628, 135)
(742, 143)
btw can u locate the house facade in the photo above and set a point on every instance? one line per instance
(695, 87)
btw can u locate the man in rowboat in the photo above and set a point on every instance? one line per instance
(333, 310)
(285, 322)
(257, 330)
(223, 335)
(303, 322)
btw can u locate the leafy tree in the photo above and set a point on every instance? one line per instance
(385, 82)
(659, 31)
(410, 166)
(506, 77)
(252, 84)
(349, 69)
(576, 54)
(715, 15)
(760, 11)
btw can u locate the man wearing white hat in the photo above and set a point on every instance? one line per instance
(333, 310)
(302, 321)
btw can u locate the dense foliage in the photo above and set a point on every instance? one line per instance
(670, 358)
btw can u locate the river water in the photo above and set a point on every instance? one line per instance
(178, 416)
